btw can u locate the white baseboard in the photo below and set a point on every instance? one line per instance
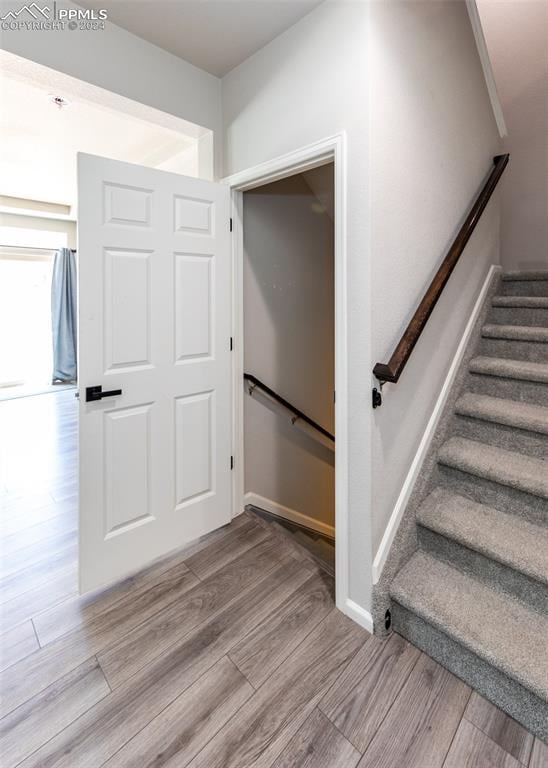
(407, 488)
(288, 514)
(358, 614)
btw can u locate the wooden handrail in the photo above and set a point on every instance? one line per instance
(392, 370)
(297, 414)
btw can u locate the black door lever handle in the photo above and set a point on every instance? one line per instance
(96, 393)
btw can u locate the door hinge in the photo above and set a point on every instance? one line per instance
(231, 344)
(231, 223)
(232, 462)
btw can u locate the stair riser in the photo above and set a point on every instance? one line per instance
(533, 351)
(496, 575)
(518, 316)
(509, 438)
(518, 702)
(524, 288)
(492, 494)
(512, 389)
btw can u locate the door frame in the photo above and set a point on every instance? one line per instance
(329, 150)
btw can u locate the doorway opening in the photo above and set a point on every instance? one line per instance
(289, 371)
(289, 357)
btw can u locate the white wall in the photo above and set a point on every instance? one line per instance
(185, 162)
(516, 32)
(289, 322)
(432, 139)
(125, 64)
(405, 82)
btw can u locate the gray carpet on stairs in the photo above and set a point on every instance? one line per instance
(471, 613)
(505, 692)
(504, 467)
(493, 533)
(515, 332)
(467, 577)
(521, 301)
(510, 369)
(513, 276)
(512, 413)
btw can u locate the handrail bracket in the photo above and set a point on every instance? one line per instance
(377, 396)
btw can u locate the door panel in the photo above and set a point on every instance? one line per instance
(193, 302)
(154, 302)
(194, 424)
(193, 215)
(127, 308)
(127, 205)
(127, 468)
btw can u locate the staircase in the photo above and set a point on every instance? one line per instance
(474, 595)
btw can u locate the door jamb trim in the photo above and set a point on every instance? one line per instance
(330, 149)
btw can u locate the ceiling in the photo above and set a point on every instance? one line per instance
(215, 35)
(40, 141)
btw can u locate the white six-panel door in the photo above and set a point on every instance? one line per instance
(154, 322)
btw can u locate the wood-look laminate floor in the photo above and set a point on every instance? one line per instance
(227, 655)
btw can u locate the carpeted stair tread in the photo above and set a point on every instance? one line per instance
(516, 332)
(512, 413)
(495, 534)
(522, 370)
(539, 274)
(524, 473)
(494, 626)
(527, 302)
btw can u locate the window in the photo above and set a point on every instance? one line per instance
(26, 262)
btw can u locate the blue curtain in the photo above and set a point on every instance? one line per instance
(64, 316)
